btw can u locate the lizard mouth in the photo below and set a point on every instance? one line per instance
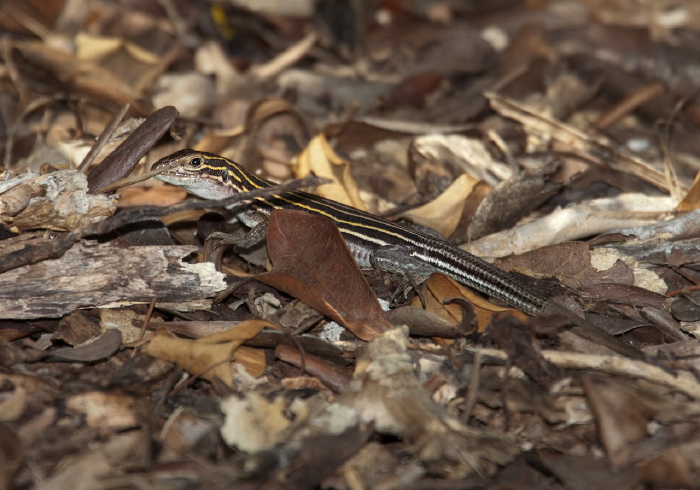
(175, 177)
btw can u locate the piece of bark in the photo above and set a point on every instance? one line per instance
(57, 201)
(100, 275)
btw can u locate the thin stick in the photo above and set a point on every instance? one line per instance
(683, 382)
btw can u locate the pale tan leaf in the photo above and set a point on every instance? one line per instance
(318, 158)
(211, 357)
(443, 213)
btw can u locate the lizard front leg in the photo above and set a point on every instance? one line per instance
(216, 243)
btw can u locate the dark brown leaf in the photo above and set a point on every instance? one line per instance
(100, 348)
(148, 231)
(10, 331)
(624, 294)
(584, 473)
(621, 419)
(11, 456)
(311, 262)
(78, 328)
(571, 262)
(413, 90)
(513, 199)
(508, 333)
(322, 456)
(122, 161)
(426, 324)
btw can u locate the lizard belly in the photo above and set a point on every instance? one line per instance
(361, 253)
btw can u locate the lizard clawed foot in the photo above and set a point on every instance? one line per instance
(406, 284)
(216, 244)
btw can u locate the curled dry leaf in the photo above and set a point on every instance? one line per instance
(312, 262)
(274, 129)
(211, 357)
(424, 323)
(439, 288)
(444, 212)
(460, 154)
(318, 158)
(691, 201)
(264, 109)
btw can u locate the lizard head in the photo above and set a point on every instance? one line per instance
(205, 175)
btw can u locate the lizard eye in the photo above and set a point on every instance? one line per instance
(196, 162)
(224, 175)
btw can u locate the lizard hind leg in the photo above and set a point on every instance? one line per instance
(395, 259)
